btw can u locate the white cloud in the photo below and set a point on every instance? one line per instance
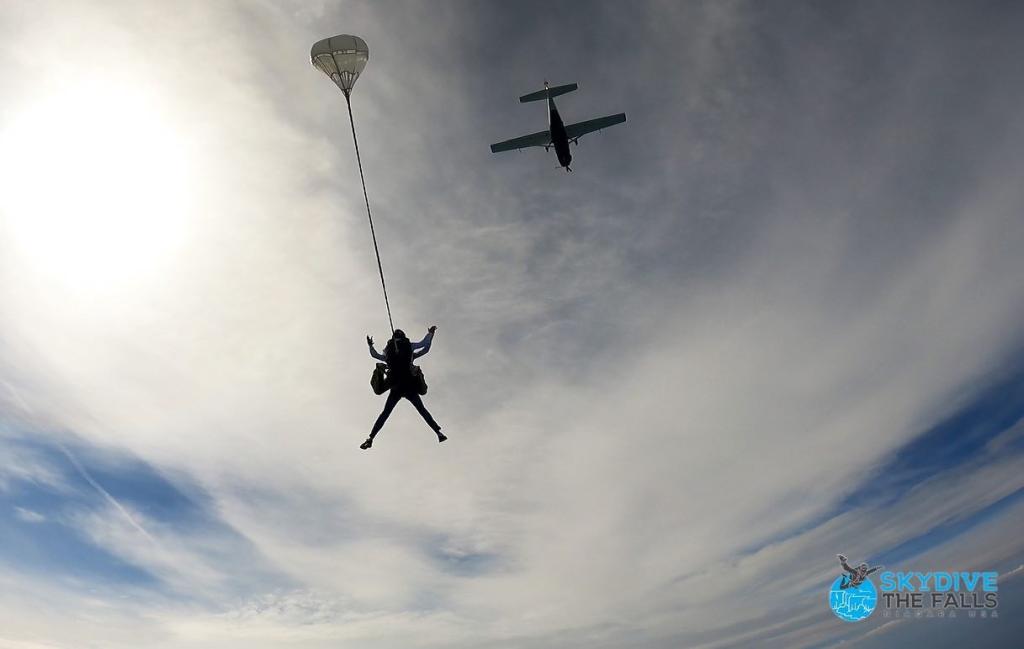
(28, 515)
(1012, 573)
(21, 464)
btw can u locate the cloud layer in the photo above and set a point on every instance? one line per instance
(671, 379)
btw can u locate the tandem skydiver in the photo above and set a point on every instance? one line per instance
(403, 379)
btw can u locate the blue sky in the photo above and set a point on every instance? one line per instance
(773, 317)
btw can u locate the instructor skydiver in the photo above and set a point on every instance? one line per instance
(401, 381)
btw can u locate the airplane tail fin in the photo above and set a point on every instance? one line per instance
(548, 92)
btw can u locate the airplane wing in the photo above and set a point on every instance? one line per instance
(579, 129)
(542, 138)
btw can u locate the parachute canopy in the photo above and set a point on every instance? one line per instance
(341, 58)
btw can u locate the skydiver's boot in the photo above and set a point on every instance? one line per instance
(440, 436)
(367, 444)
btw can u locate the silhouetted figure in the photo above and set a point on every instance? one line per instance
(856, 575)
(403, 379)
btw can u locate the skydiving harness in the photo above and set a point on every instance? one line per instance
(381, 382)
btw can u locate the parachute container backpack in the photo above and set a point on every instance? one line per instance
(342, 58)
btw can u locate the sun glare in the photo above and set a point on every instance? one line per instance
(94, 187)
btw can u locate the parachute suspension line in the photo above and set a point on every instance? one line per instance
(373, 234)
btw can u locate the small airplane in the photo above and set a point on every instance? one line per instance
(557, 135)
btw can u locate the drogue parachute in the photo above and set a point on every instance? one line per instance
(342, 58)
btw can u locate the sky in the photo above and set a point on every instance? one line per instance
(773, 317)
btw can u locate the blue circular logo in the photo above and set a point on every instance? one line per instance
(852, 603)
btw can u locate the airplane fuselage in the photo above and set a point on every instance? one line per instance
(558, 134)
(559, 139)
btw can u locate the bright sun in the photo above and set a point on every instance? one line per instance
(95, 187)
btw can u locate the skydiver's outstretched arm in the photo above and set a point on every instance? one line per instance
(374, 352)
(875, 569)
(423, 346)
(846, 566)
(426, 339)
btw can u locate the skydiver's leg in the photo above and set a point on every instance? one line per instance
(393, 396)
(418, 403)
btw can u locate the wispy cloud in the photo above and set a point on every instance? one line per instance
(28, 515)
(131, 520)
